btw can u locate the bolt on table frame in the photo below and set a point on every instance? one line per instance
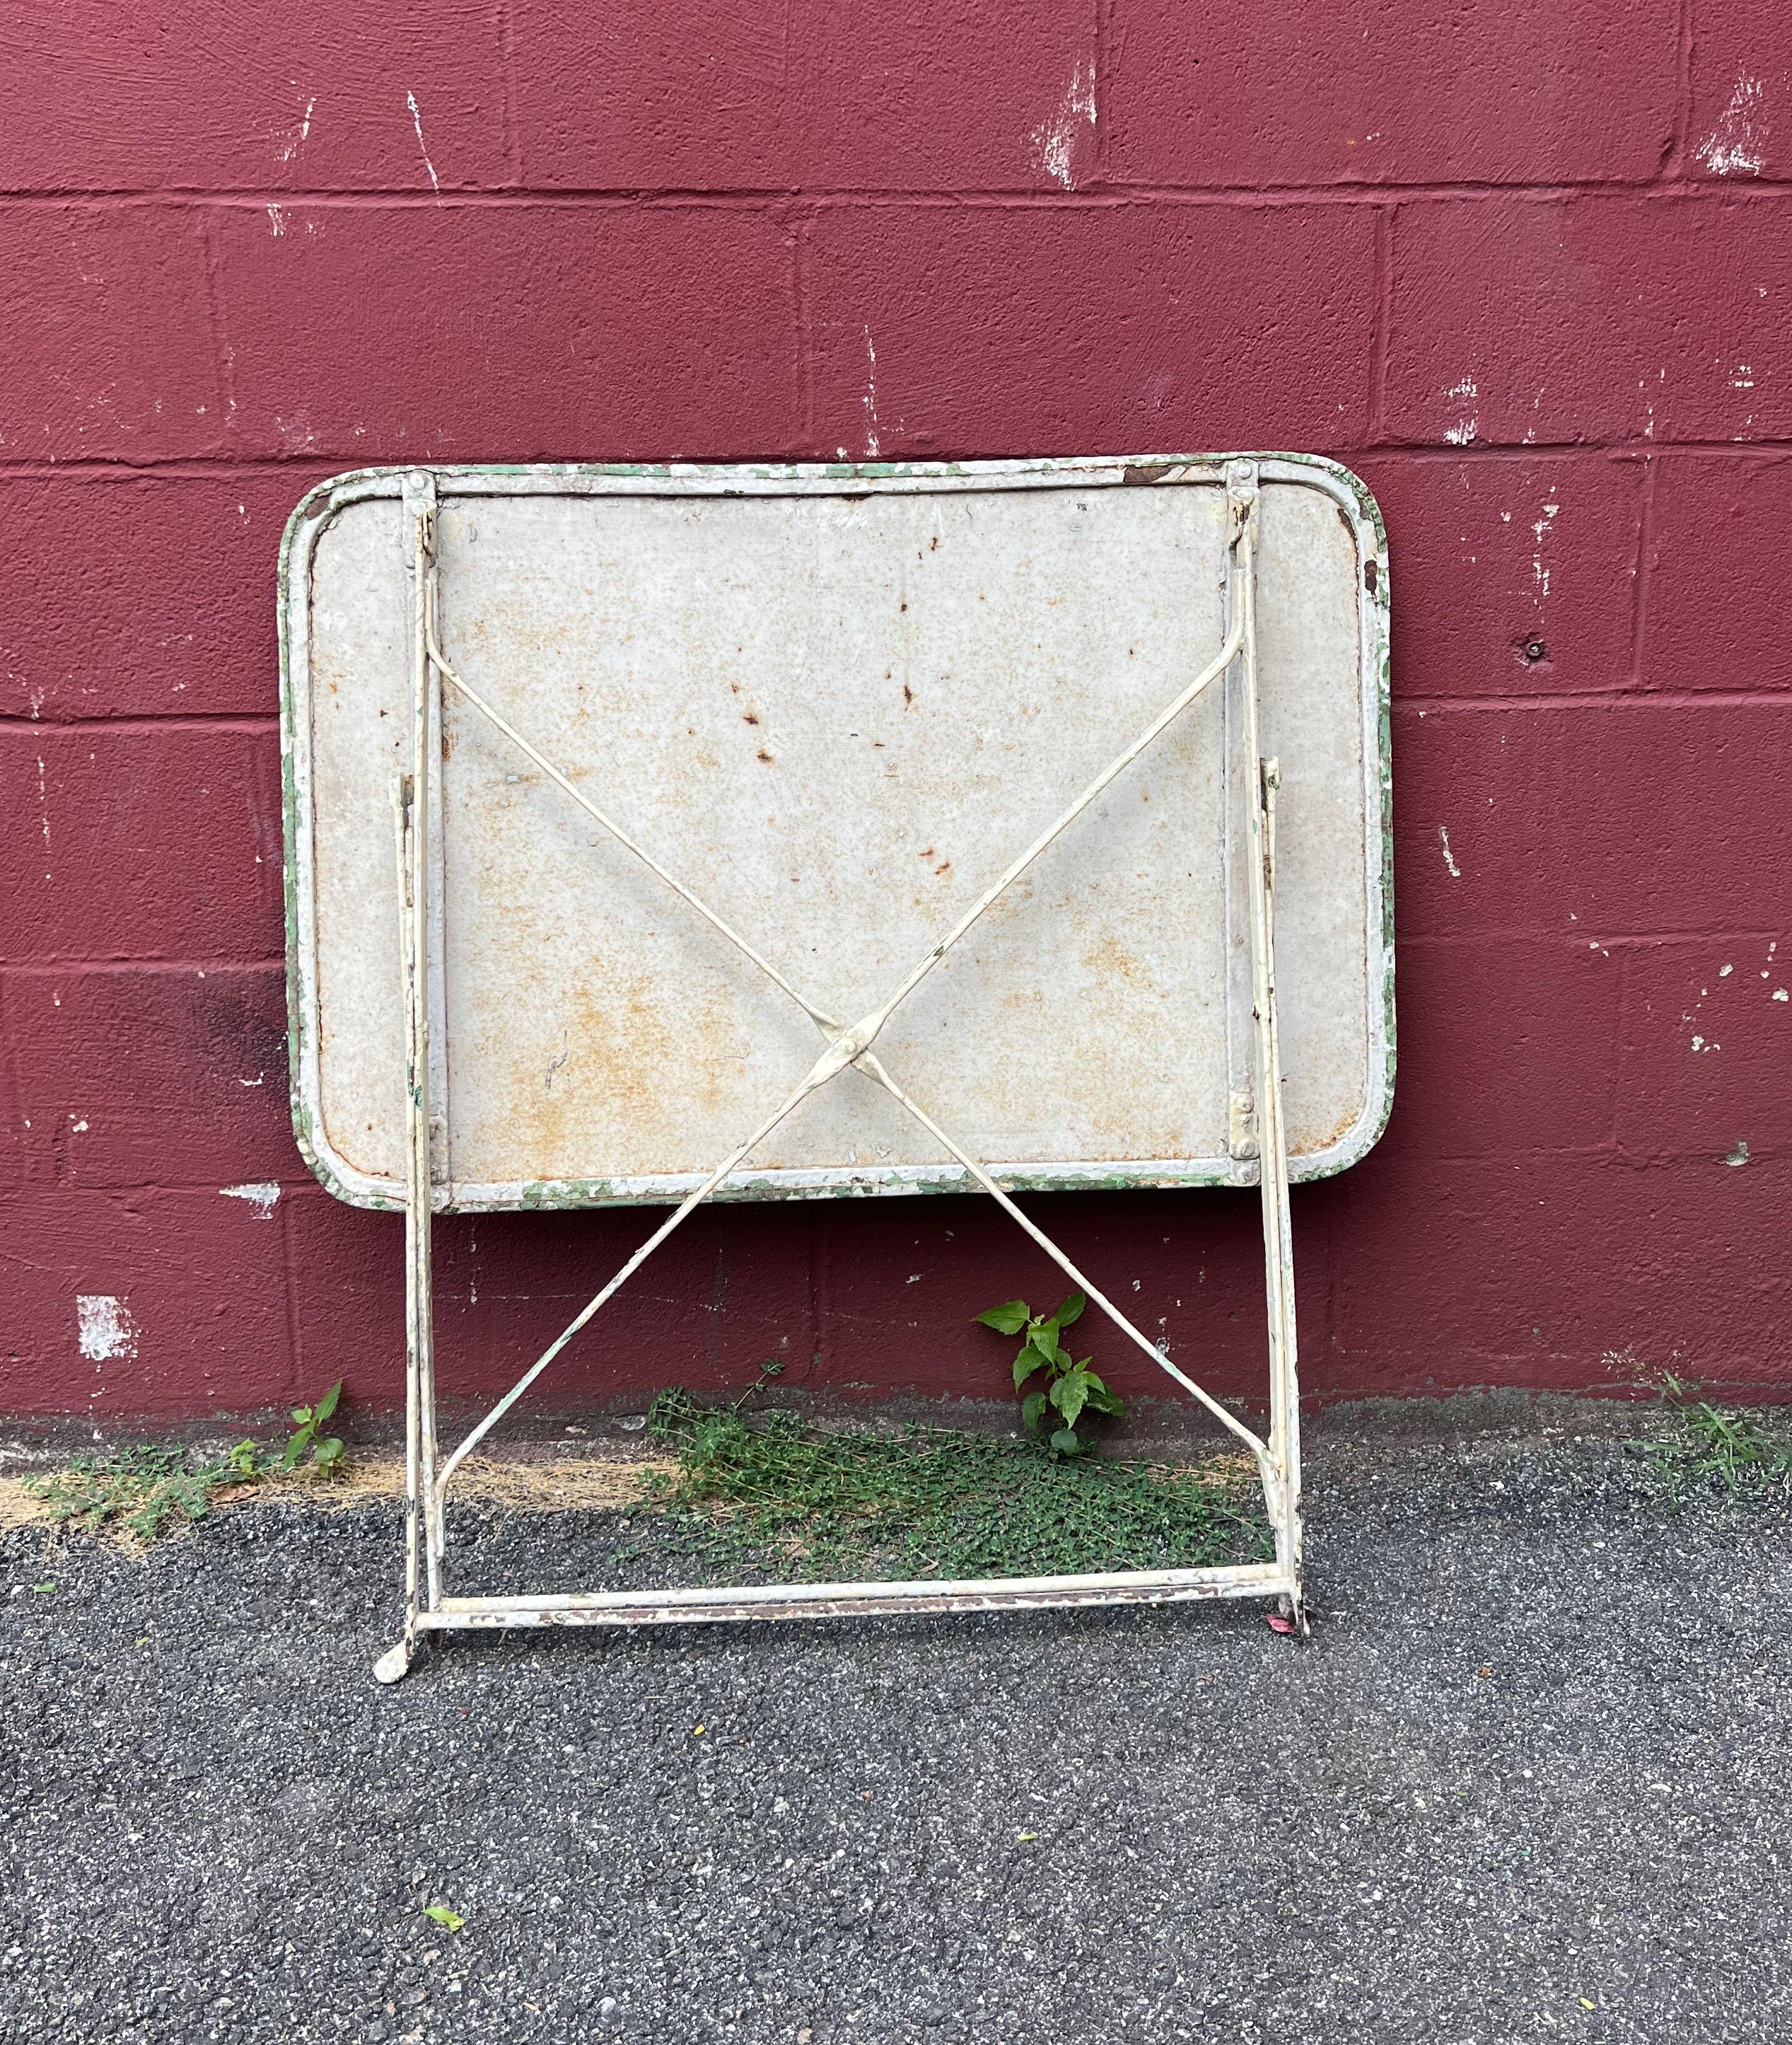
(429, 1607)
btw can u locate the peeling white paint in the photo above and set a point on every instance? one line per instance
(1738, 1155)
(277, 220)
(1736, 145)
(1540, 569)
(297, 435)
(261, 1195)
(1055, 140)
(1781, 994)
(43, 812)
(871, 444)
(1463, 431)
(299, 141)
(1723, 972)
(1449, 859)
(423, 147)
(106, 1327)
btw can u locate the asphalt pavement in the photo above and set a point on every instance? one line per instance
(1530, 1779)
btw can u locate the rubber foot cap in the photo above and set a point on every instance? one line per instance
(394, 1665)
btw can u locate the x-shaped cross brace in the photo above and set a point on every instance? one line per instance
(844, 1046)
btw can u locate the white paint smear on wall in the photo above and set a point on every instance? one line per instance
(1055, 140)
(1736, 146)
(106, 1327)
(298, 141)
(1463, 430)
(422, 146)
(261, 1195)
(872, 446)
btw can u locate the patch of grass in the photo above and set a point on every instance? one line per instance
(1712, 1447)
(930, 1502)
(147, 1492)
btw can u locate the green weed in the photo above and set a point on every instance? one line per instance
(148, 1490)
(1071, 1389)
(1713, 1447)
(308, 1444)
(928, 1502)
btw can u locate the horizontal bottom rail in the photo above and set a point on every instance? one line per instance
(676, 1607)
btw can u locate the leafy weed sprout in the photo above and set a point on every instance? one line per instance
(1071, 1389)
(149, 1492)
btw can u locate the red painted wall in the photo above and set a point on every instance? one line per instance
(1527, 267)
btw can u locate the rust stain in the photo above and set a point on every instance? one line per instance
(618, 1050)
(1304, 1141)
(571, 1052)
(1109, 961)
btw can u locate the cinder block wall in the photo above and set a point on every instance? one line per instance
(1527, 265)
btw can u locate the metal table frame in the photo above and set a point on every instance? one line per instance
(429, 1608)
